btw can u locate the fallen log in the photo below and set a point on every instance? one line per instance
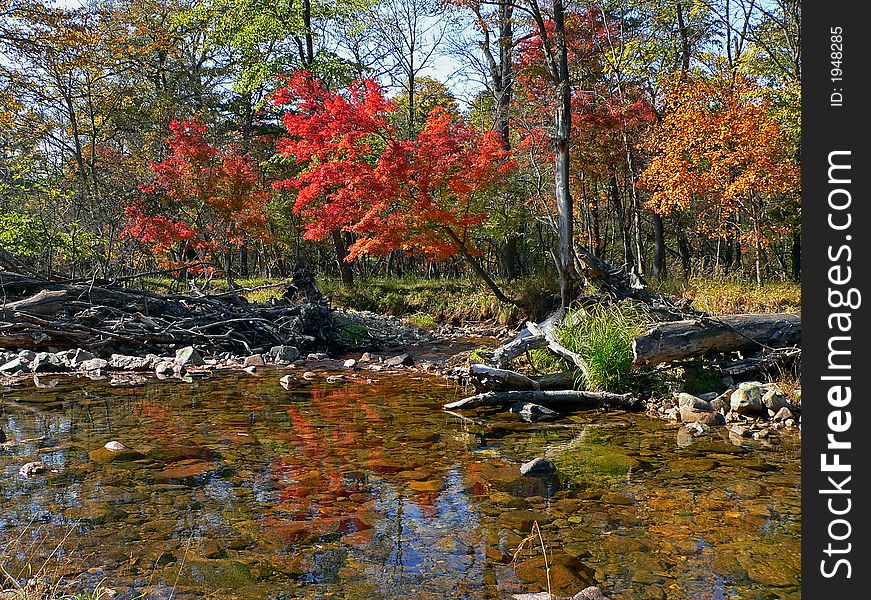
(503, 355)
(568, 398)
(564, 380)
(46, 302)
(492, 379)
(678, 340)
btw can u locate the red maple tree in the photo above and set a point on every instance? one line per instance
(423, 195)
(203, 202)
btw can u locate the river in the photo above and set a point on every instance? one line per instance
(234, 487)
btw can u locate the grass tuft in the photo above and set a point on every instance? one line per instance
(603, 335)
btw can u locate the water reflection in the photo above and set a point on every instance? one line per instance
(238, 487)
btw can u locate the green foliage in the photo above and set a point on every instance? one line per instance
(603, 336)
(20, 234)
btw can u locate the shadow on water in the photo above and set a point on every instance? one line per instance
(235, 487)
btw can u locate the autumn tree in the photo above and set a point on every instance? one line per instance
(358, 174)
(719, 152)
(202, 203)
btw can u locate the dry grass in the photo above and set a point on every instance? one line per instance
(721, 295)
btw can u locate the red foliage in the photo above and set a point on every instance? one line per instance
(601, 113)
(202, 201)
(421, 195)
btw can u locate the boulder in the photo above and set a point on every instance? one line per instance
(747, 399)
(774, 399)
(284, 355)
(93, 364)
(47, 363)
(16, 365)
(590, 593)
(255, 360)
(401, 360)
(783, 414)
(188, 357)
(79, 357)
(350, 363)
(123, 362)
(685, 400)
(705, 417)
(537, 467)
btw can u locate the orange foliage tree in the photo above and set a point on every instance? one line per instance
(720, 155)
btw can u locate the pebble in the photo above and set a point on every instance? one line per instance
(114, 446)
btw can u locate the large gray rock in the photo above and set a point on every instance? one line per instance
(774, 399)
(47, 363)
(685, 400)
(123, 362)
(284, 355)
(79, 357)
(705, 417)
(188, 357)
(16, 365)
(402, 360)
(94, 364)
(255, 360)
(538, 467)
(590, 593)
(747, 399)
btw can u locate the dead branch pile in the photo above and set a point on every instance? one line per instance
(107, 319)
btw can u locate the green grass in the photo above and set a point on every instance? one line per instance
(731, 295)
(602, 335)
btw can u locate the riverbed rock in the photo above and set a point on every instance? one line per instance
(538, 467)
(16, 365)
(532, 412)
(188, 356)
(93, 364)
(284, 355)
(47, 363)
(114, 446)
(685, 400)
(783, 414)
(400, 360)
(2, 436)
(590, 593)
(33, 468)
(255, 360)
(79, 357)
(350, 363)
(123, 362)
(774, 399)
(165, 369)
(704, 417)
(747, 399)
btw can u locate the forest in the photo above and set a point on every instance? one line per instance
(482, 139)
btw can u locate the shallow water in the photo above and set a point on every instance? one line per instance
(238, 488)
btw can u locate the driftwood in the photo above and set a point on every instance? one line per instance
(678, 340)
(568, 398)
(564, 380)
(112, 319)
(46, 302)
(777, 360)
(488, 378)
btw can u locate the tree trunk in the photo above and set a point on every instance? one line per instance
(567, 398)
(678, 340)
(563, 125)
(345, 271)
(659, 267)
